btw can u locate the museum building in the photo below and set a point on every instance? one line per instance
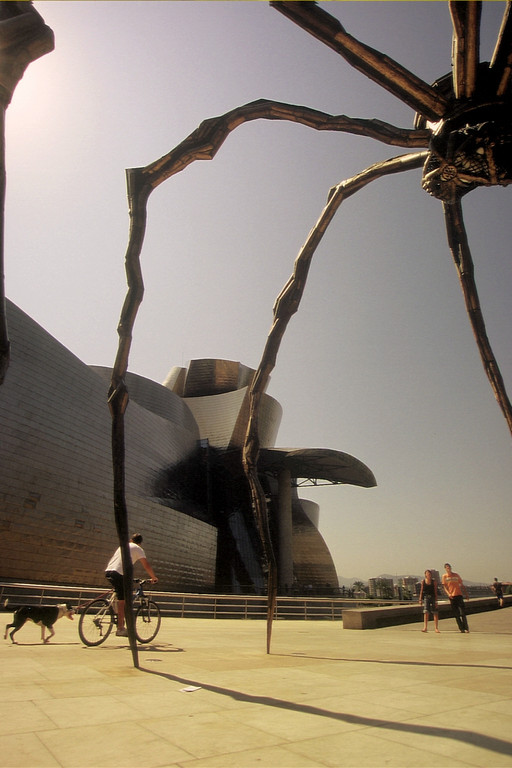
(185, 487)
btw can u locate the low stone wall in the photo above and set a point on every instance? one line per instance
(390, 615)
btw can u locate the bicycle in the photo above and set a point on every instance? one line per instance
(99, 617)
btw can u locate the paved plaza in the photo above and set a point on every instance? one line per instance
(208, 696)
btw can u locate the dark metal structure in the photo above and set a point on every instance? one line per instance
(24, 37)
(463, 125)
(463, 128)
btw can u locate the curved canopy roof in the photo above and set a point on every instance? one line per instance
(310, 465)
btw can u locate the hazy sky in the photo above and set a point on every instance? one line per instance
(380, 361)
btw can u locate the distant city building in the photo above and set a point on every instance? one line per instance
(381, 587)
(406, 587)
(185, 488)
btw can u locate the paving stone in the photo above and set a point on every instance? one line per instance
(207, 695)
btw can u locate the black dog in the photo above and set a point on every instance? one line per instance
(44, 615)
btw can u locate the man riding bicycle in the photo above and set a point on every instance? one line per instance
(114, 573)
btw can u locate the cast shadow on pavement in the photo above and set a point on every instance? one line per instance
(467, 737)
(403, 662)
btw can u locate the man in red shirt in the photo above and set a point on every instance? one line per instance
(454, 587)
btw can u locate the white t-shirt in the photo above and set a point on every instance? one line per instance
(116, 563)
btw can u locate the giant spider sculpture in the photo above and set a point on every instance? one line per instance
(463, 128)
(463, 125)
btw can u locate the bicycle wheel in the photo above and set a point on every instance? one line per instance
(96, 622)
(147, 621)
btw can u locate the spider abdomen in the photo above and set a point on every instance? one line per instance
(462, 159)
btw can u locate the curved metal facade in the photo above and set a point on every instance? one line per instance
(56, 508)
(185, 487)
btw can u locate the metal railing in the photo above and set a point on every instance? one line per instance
(192, 605)
(207, 606)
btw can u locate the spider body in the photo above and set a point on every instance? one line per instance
(463, 158)
(471, 145)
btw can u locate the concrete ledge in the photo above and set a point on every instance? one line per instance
(389, 615)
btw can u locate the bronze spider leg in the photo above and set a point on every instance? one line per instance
(465, 47)
(458, 242)
(286, 304)
(431, 104)
(454, 171)
(203, 144)
(24, 37)
(466, 24)
(377, 66)
(501, 62)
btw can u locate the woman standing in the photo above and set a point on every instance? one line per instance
(428, 596)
